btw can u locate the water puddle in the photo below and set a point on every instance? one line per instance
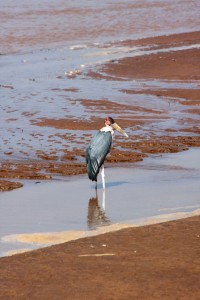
(158, 189)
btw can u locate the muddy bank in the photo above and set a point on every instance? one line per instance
(6, 185)
(183, 65)
(151, 262)
(173, 63)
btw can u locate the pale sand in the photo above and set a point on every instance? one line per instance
(53, 238)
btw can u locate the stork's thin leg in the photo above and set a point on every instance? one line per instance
(103, 177)
(96, 192)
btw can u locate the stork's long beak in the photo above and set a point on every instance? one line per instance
(119, 129)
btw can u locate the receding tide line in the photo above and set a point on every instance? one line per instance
(52, 238)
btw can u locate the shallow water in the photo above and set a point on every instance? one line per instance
(163, 187)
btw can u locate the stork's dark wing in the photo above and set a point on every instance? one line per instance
(96, 153)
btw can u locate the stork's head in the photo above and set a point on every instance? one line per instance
(111, 122)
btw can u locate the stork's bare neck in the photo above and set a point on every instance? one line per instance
(107, 128)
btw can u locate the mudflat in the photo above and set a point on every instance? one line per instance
(151, 262)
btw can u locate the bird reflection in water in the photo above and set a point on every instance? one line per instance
(96, 213)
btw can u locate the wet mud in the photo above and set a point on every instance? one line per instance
(6, 185)
(148, 260)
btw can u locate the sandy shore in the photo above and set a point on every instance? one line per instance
(153, 262)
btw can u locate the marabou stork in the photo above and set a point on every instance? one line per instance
(99, 147)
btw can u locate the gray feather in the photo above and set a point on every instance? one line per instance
(96, 153)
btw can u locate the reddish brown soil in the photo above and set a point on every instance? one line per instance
(160, 42)
(187, 96)
(152, 262)
(179, 65)
(6, 185)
